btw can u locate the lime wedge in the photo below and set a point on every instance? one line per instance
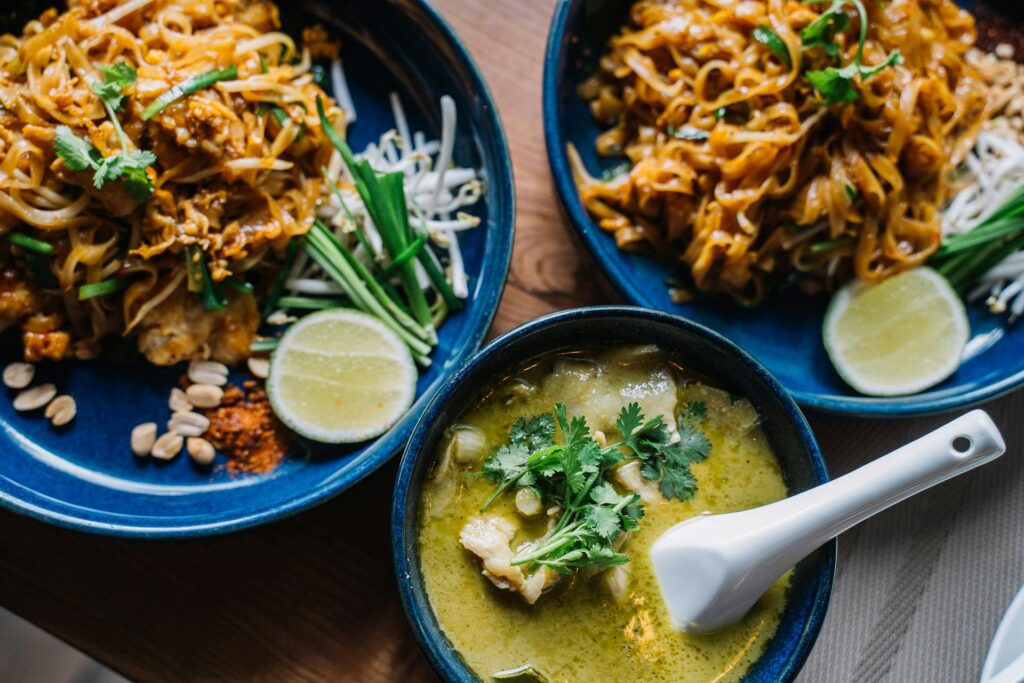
(341, 376)
(898, 337)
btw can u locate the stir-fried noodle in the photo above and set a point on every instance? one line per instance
(740, 170)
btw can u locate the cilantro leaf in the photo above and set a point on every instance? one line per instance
(535, 433)
(116, 78)
(697, 410)
(575, 431)
(605, 494)
(604, 521)
(507, 461)
(632, 513)
(822, 31)
(630, 419)
(137, 183)
(677, 480)
(78, 154)
(130, 168)
(835, 84)
(664, 458)
(895, 58)
(678, 483)
(773, 42)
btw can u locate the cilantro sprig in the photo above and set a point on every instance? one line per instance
(573, 475)
(129, 166)
(836, 84)
(665, 459)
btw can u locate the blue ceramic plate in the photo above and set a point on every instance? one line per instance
(86, 477)
(784, 332)
(700, 349)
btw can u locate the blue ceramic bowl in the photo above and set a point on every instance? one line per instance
(784, 332)
(700, 349)
(86, 477)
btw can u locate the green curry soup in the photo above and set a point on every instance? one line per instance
(594, 624)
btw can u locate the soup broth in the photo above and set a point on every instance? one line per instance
(582, 628)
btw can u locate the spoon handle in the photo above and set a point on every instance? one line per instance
(825, 512)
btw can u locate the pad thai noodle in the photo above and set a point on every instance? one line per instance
(158, 155)
(767, 137)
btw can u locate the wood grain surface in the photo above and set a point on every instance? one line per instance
(313, 597)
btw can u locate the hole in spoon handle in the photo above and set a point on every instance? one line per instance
(962, 445)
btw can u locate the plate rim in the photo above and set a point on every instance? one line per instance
(1012, 617)
(363, 465)
(596, 241)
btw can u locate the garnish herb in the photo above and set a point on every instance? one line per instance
(829, 245)
(239, 285)
(688, 133)
(572, 475)
(383, 194)
(835, 84)
(851, 192)
(111, 90)
(128, 167)
(307, 302)
(697, 410)
(199, 280)
(264, 344)
(30, 243)
(773, 42)
(662, 457)
(615, 171)
(966, 257)
(319, 74)
(102, 288)
(364, 291)
(187, 87)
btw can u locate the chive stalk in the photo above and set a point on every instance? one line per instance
(829, 245)
(102, 288)
(964, 258)
(360, 234)
(199, 279)
(239, 285)
(383, 196)
(307, 302)
(264, 344)
(186, 88)
(30, 243)
(362, 291)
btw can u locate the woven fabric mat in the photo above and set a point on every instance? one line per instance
(920, 588)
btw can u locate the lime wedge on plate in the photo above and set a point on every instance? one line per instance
(898, 337)
(341, 376)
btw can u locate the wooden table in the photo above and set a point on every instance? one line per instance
(313, 597)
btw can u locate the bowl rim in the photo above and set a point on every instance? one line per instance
(429, 636)
(497, 253)
(595, 240)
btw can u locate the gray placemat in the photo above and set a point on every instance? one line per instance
(920, 588)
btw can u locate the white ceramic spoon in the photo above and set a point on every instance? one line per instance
(713, 568)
